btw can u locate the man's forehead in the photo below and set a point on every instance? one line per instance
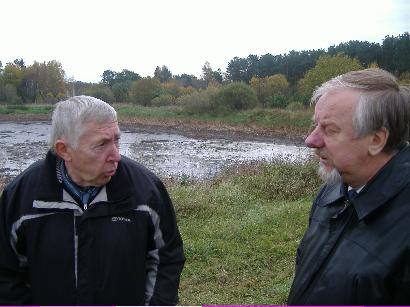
(108, 128)
(336, 104)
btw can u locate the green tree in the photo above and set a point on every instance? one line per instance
(190, 81)
(12, 80)
(20, 63)
(144, 90)
(172, 88)
(100, 91)
(326, 68)
(266, 65)
(108, 77)
(207, 73)
(120, 91)
(126, 76)
(252, 67)
(237, 70)
(235, 96)
(364, 51)
(268, 87)
(163, 74)
(210, 76)
(45, 82)
(9, 94)
(13, 74)
(396, 53)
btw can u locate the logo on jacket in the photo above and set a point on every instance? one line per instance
(120, 219)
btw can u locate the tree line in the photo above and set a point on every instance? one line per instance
(267, 81)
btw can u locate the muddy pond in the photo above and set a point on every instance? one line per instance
(168, 155)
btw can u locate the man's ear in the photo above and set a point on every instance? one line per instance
(62, 150)
(377, 141)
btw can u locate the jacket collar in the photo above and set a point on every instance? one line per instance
(49, 188)
(387, 183)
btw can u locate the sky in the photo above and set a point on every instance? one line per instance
(90, 36)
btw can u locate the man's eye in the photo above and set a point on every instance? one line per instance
(330, 130)
(100, 145)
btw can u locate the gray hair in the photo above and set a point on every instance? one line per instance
(382, 103)
(70, 116)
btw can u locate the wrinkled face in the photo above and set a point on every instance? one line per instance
(96, 158)
(340, 151)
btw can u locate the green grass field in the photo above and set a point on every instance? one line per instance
(241, 232)
(290, 122)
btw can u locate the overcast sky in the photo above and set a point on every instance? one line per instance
(88, 37)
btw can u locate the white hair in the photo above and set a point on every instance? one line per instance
(329, 177)
(70, 116)
(382, 103)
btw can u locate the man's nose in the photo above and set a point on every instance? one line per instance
(114, 155)
(314, 139)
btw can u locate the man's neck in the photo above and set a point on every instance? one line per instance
(374, 165)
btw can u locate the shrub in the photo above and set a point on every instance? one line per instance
(276, 101)
(10, 94)
(235, 96)
(326, 68)
(199, 101)
(144, 90)
(120, 91)
(295, 106)
(163, 100)
(100, 92)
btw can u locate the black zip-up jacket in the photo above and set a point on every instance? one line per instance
(125, 249)
(358, 255)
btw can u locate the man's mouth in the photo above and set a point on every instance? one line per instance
(110, 173)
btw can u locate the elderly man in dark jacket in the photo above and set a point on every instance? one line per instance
(356, 250)
(86, 226)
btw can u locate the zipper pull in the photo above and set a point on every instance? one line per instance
(85, 207)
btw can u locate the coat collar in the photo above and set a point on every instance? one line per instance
(386, 184)
(50, 188)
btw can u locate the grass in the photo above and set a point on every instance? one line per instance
(287, 121)
(241, 232)
(26, 109)
(297, 121)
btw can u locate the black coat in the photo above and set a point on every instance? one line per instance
(358, 255)
(125, 249)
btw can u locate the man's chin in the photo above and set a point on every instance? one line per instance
(328, 175)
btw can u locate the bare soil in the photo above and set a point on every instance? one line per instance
(191, 128)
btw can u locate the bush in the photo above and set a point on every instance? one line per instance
(144, 90)
(295, 106)
(276, 101)
(199, 101)
(10, 94)
(234, 97)
(100, 92)
(326, 68)
(163, 100)
(120, 91)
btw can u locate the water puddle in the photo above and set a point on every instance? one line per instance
(168, 155)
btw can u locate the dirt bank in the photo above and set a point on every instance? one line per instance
(191, 128)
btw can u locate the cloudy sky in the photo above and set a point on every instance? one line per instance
(88, 37)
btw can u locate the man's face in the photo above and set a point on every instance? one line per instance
(96, 158)
(335, 142)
